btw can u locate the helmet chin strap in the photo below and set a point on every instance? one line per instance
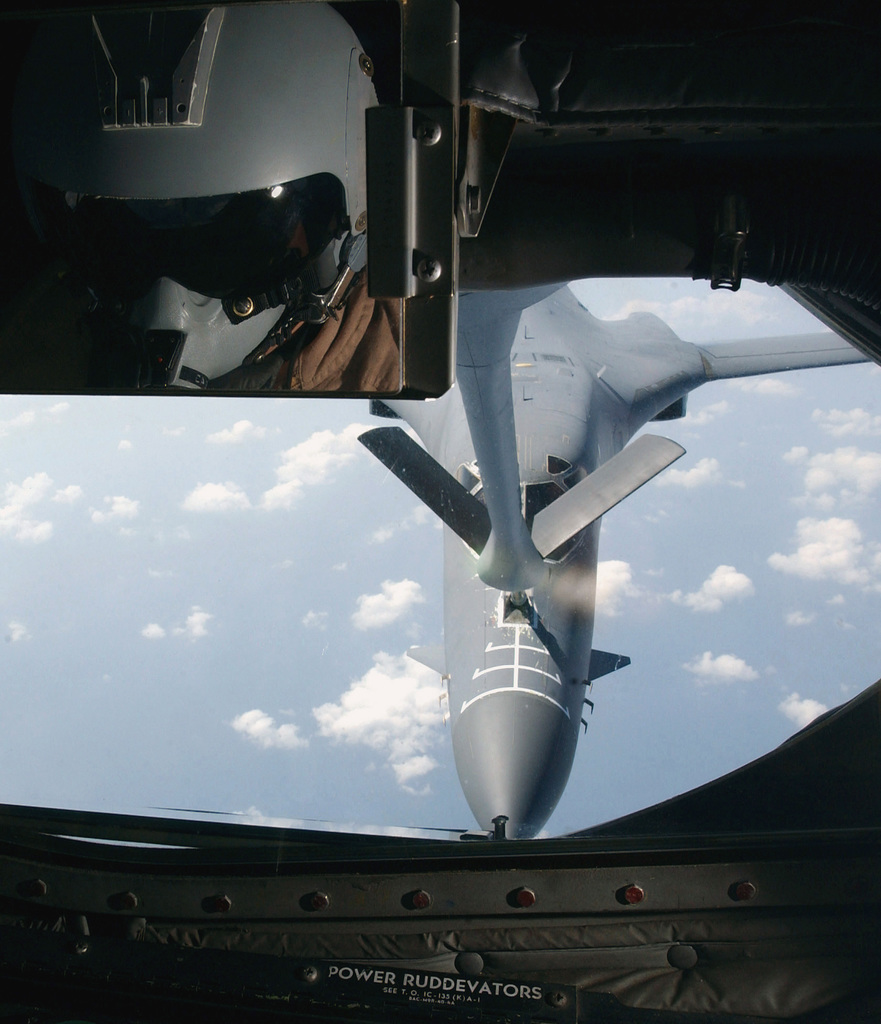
(321, 307)
(303, 296)
(317, 307)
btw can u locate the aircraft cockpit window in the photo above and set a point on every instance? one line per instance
(539, 496)
(556, 465)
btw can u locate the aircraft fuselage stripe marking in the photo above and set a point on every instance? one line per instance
(478, 672)
(521, 689)
(512, 647)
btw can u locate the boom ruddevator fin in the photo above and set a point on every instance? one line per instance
(433, 657)
(609, 484)
(602, 663)
(431, 483)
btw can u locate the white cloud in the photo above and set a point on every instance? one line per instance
(17, 631)
(195, 626)
(800, 618)
(766, 386)
(418, 517)
(692, 314)
(153, 631)
(853, 472)
(118, 507)
(173, 431)
(801, 710)
(124, 445)
(725, 668)
(706, 471)
(216, 498)
(393, 709)
(709, 413)
(725, 583)
(68, 495)
(261, 729)
(614, 584)
(853, 423)
(14, 515)
(395, 600)
(58, 409)
(828, 549)
(315, 620)
(238, 433)
(311, 462)
(23, 419)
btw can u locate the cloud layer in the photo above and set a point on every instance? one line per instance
(261, 729)
(705, 471)
(827, 549)
(724, 668)
(394, 709)
(394, 601)
(725, 583)
(801, 710)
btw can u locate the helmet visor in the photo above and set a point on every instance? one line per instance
(219, 246)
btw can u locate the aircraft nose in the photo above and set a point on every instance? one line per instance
(514, 751)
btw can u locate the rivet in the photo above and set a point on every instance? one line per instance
(33, 888)
(428, 269)
(319, 900)
(740, 892)
(361, 222)
(559, 1000)
(630, 895)
(309, 974)
(522, 897)
(123, 901)
(243, 307)
(219, 904)
(419, 899)
(365, 64)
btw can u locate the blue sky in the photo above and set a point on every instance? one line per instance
(206, 602)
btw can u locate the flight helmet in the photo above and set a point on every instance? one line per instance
(202, 171)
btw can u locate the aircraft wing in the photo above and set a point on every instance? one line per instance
(771, 355)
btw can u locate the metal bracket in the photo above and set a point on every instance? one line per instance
(410, 167)
(485, 137)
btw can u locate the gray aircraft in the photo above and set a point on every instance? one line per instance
(521, 461)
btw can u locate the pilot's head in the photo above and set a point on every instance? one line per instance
(202, 172)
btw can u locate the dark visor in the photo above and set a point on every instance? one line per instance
(215, 245)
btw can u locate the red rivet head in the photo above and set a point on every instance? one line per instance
(419, 900)
(740, 892)
(632, 894)
(524, 897)
(219, 904)
(319, 901)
